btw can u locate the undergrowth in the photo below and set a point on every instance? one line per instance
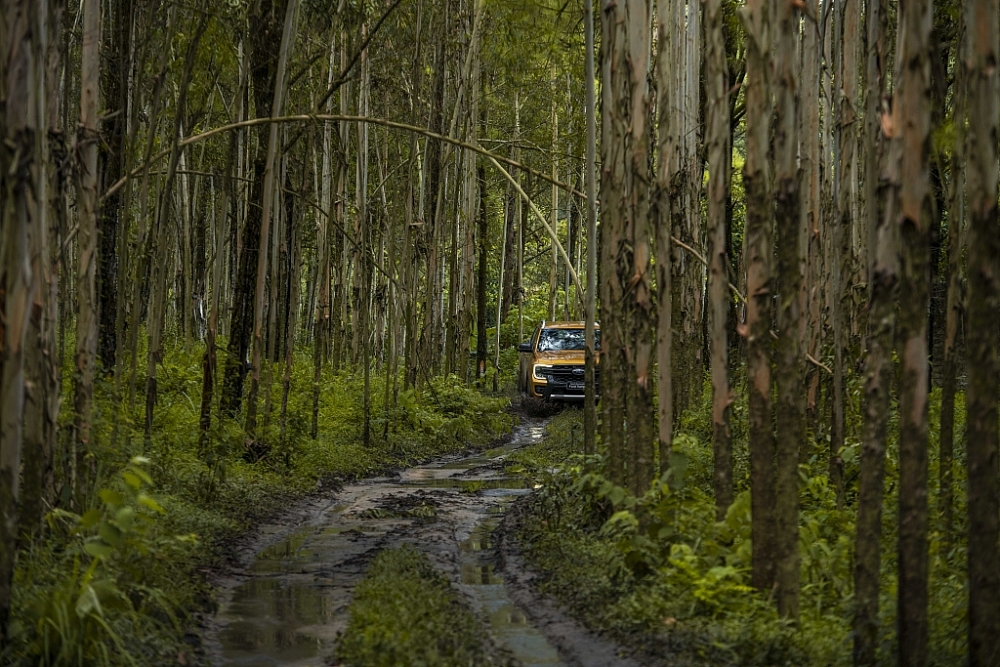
(659, 573)
(116, 580)
(405, 613)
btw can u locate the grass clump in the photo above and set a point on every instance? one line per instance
(563, 439)
(405, 613)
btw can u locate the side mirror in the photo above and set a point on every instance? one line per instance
(524, 347)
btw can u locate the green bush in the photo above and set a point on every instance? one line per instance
(405, 613)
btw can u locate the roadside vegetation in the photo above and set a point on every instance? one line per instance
(405, 612)
(121, 582)
(660, 574)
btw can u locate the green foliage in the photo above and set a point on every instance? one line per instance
(405, 613)
(77, 622)
(660, 571)
(122, 557)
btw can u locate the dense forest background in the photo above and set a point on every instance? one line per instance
(247, 245)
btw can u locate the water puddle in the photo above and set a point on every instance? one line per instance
(508, 624)
(291, 604)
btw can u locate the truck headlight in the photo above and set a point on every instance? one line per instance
(538, 371)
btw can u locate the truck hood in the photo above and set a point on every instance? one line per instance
(565, 357)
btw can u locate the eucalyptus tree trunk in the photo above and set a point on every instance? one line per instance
(613, 161)
(883, 285)
(23, 215)
(162, 234)
(363, 265)
(435, 175)
(954, 302)
(911, 190)
(210, 364)
(789, 366)
(845, 187)
(554, 208)
(321, 336)
(758, 238)
(114, 92)
(590, 398)
(685, 206)
(482, 275)
(86, 323)
(627, 253)
(262, 59)
(980, 57)
(41, 407)
(717, 139)
(811, 205)
(269, 185)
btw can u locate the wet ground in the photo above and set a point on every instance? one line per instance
(287, 606)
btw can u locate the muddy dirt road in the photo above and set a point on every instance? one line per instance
(289, 601)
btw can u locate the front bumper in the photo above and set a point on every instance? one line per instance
(562, 384)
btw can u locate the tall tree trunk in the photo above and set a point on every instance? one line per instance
(614, 120)
(911, 145)
(482, 268)
(883, 283)
(23, 213)
(789, 368)
(269, 185)
(845, 186)
(86, 323)
(114, 92)
(758, 235)
(41, 409)
(954, 302)
(321, 335)
(264, 44)
(717, 123)
(162, 244)
(981, 56)
(590, 374)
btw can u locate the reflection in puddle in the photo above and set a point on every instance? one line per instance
(507, 623)
(276, 624)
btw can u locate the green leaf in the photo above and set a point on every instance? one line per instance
(124, 518)
(132, 480)
(616, 495)
(98, 549)
(90, 518)
(88, 603)
(110, 534)
(111, 497)
(148, 502)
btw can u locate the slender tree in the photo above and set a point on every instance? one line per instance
(882, 293)
(757, 327)
(981, 55)
(22, 161)
(717, 113)
(789, 366)
(911, 149)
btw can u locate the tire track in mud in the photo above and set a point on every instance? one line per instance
(286, 601)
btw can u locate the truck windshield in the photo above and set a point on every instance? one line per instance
(555, 340)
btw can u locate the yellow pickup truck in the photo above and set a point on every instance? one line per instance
(551, 364)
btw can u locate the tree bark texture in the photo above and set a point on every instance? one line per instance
(759, 313)
(980, 57)
(911, 149)
(789, 362)
(717, 122)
